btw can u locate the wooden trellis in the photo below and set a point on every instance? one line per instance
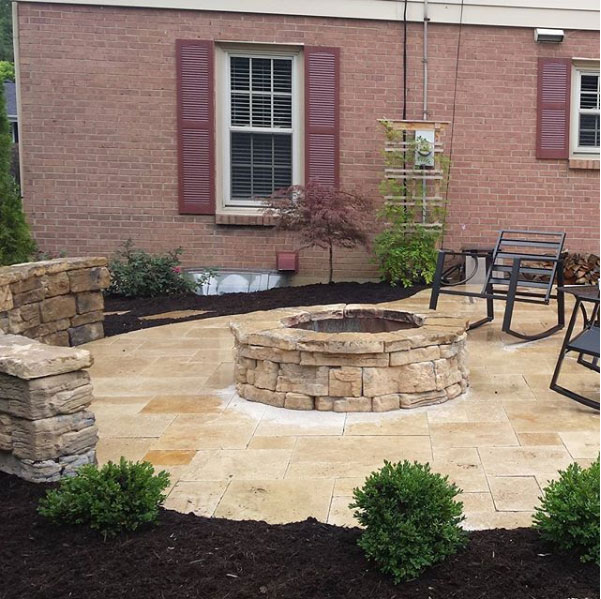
(423, 185)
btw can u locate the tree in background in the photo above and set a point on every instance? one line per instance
(323, 216)
(16, 243)
(7, 70)
(6, 31)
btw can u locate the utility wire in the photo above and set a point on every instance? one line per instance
(454, 112)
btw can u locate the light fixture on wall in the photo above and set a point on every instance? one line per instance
(548, 35)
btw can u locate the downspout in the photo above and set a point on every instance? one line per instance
(425, 59)
(425, 110)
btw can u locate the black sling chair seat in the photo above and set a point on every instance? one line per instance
(522, 267)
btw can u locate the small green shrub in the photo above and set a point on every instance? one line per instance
(411, 518)
(136, 273)
(406, 258)
(568, 516)
(112, 499)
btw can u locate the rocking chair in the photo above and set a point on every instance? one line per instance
(521, 268)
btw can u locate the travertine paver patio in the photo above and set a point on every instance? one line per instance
(166, 394)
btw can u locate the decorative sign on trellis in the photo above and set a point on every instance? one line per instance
(416, 171)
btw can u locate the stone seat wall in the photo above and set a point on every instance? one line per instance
(58, 302)
(46, 428)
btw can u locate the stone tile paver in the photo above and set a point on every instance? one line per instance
(523, 461)
(514, 493)
(200, 498)
(178, 404)
(246, 464)
(172, 457)
(166, 394)
(581, 444)
(276, 501)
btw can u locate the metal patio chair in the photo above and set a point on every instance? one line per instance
(585, 343)
(522, 267)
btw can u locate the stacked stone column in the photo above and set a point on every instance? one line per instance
(46, 429)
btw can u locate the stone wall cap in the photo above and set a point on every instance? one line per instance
(20, 272)
(270, 329)
(27, 359)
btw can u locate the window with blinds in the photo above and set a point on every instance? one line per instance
(588, 110)
(261, 127)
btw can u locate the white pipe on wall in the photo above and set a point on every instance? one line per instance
(425, 60)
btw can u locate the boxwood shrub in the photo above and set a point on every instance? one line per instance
(411, 518)
(112, 499)
(568, 516)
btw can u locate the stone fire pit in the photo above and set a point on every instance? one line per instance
(350, 358)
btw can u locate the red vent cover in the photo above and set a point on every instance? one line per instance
(287, 261)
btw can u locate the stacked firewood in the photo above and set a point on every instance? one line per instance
(580, 269)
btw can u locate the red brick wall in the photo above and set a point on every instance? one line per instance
(98, 129)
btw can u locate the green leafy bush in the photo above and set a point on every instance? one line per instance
(406, 258)
(136, 273)
(568, 516)
(7, 70)
(112, 499)
(411, 518)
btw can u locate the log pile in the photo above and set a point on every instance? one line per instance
(580, 269)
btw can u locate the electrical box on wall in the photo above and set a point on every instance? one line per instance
(424, 148)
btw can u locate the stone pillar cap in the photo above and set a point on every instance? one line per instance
(29, 359)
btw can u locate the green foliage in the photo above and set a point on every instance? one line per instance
(7, 71)
(136, 273)
(16, 243)
(405, 250)
(568, 516)
(408, 258)
(6, 31)
(411, 519)
(113, 499)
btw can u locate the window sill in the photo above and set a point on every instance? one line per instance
(257, 220)
(591, 164)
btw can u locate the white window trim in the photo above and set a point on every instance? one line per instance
(580, 67)
(223, 116)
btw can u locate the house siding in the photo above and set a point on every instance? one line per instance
(99, 129)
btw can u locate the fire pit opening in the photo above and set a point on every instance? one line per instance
(355, 325)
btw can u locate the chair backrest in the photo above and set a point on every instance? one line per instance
(540, 253)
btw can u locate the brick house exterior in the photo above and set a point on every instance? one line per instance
(99, 127)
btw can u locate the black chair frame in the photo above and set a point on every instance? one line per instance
(585, 344)
(512, 286)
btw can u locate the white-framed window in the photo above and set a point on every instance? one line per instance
(260, 125)
(585, 131)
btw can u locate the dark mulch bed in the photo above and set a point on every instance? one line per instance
(242, 303)
(187, 556)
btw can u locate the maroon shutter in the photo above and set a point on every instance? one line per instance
(322, 110)
(195, 122)
(553, 107)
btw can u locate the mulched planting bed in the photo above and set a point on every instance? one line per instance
(187, 556)
(242, 303)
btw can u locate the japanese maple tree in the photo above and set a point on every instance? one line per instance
(323, 217)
